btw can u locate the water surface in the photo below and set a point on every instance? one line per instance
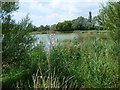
(49, 39)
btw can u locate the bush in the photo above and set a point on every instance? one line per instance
(23, 70)
(17, 42)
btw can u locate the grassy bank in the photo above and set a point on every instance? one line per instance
(67, 32)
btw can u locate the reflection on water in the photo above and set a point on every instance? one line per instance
(52, 39)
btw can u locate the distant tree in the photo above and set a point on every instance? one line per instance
(97, 23)
(80, 23)
(91, 21)
(47, 27)
(64, 26)
(59, 26)
(41, 28)
(33, 27)
(53, 27)
(67, 25)
(90, 17)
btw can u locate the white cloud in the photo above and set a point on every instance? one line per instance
(37, 6)
(50, 19)
(19, 15)
(53, 11)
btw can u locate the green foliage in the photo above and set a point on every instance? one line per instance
(7, 9)
(90, 63)
(110, 15)
(90, 17)
(17, 42)
(64, 26)
(47, 27)
(43, 29)
(80, 23)
(111, 18)
(53, 27)
(23, 70)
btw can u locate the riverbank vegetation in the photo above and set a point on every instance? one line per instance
(68, 32)
(80, 23)
(89, 61)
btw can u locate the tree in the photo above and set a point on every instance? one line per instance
(47, 27)
(7, 9)
(16, 42)
(90, 17)
(33, 27)
(110, 18)
(97, 23)
(80, 23)
(64, 26)
(67, 25)
(41, 28)
(59, 26)
(53, 27)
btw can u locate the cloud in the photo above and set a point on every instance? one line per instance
(18, 16)
(47, 12)
(49, 19)
(41, 8)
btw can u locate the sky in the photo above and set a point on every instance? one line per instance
(48, 12)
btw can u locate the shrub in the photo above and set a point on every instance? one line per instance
(17, 42)
(23, 70)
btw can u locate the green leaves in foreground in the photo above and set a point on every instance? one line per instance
(17, 42)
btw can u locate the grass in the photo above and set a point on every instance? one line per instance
(67, 32)
(93, 63)
(89, 31)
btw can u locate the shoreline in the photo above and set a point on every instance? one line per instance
(69, 32)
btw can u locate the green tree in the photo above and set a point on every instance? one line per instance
(41, 28)
(17, 42)
(110, 18)
(7, 9)
(64, 26)
(80, 23)
(97, 23)
(59, 26)
(53, 27)
(47, 27)
(90, 17)
(33, 27)
(67, 25)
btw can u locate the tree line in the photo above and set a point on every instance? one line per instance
(80, 23)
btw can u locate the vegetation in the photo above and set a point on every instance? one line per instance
(89, 61)
(79, 23)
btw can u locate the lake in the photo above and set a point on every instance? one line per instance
(49, 39)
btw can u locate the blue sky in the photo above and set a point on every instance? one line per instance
(48, 12)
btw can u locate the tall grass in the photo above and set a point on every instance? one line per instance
(92, 63)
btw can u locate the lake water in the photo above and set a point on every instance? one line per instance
(49, 39)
